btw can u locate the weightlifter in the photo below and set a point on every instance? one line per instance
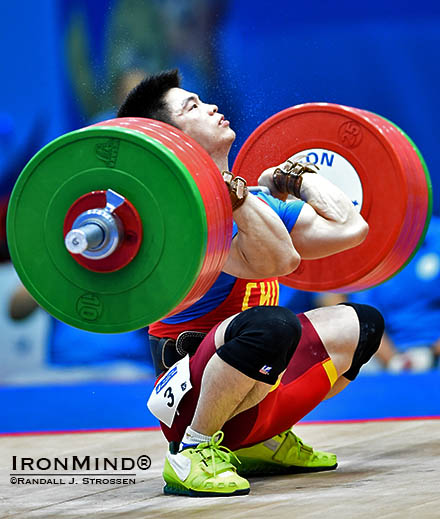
(259, 368)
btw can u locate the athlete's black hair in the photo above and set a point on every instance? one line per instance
(147, 98)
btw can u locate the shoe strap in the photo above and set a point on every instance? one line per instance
(291, 442)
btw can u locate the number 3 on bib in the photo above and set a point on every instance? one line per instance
(169, 391)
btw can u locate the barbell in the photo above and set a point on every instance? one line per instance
(117, 225)
(375, 163)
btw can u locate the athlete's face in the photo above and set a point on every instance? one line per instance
(200, 121)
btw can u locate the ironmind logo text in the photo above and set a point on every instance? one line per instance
(83, 463)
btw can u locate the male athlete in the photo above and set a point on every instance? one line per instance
(260, 368)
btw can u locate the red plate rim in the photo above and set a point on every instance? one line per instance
(415, 217)
(212, 189)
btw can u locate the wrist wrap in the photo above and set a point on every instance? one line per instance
(288, 177)
(237, 187)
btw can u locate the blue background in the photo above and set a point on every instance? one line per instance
(255, 59)
(123, 406)
(60, 60)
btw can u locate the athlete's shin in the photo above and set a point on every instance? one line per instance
(223, 389)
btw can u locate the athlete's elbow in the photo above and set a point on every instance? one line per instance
(292, 263)
(286, 263)
(358, 233)
(361, 231)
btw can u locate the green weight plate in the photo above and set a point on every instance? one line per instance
(167, 200)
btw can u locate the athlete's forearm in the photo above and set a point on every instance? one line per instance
(328, 223)
(262, 246)
(327, 200)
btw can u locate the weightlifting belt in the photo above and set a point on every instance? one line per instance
(166, 351)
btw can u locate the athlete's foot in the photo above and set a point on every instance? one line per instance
(204, 471)
(282, 454)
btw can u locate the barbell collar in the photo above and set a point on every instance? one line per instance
(96, 233)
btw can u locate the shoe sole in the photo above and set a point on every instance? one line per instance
(177, 491)
(277, 470)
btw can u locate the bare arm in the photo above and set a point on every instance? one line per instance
(328, 222)
(262, 247)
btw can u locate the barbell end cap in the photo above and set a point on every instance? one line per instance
(84, 238)
(76, 241)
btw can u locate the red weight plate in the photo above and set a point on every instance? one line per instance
(408, 238)
(420, 173)
(212, 188)
(131, 224)
(417, 208)
(335, 135)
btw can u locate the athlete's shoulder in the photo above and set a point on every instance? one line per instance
(287, 211)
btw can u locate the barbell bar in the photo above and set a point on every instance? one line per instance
(119, 224)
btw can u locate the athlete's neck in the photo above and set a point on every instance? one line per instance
(221, 161)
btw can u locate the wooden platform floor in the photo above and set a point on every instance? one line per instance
(386, 470)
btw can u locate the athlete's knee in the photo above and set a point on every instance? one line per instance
(260, 342)
(371, 328)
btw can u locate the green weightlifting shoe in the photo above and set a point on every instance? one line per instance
(204, 471)
(282, 454)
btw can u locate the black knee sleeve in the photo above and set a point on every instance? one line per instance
(260, 342)
(371, 326)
